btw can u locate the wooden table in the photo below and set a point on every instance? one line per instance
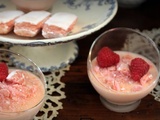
(82, 101)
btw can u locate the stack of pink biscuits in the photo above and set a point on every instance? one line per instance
(31, 23)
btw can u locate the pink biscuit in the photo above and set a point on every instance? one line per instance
(31, 23)
(59, 25)
(7, 19)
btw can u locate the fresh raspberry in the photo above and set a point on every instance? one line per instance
(138, 68)
(3, 71)
(107, 58)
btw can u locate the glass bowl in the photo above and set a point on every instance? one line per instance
(13, 96)
(112, 93)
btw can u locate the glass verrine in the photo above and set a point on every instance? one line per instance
(132, 43)
(18, 95)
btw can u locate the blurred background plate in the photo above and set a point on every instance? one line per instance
(92, 15)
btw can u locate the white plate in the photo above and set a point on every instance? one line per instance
(92, 15)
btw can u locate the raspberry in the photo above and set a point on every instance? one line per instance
(107, 58)
(138, 68)
(3, 71)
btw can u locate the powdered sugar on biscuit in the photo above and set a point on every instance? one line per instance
(9, 15)
(33, 17)
(62, 20)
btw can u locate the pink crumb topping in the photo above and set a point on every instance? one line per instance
(118, 77)
(20, 91)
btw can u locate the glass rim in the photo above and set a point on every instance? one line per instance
(89, 61)
(127, 29)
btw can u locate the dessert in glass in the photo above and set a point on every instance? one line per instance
(22, 87)
(123, 67)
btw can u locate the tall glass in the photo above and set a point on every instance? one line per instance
(128, 40)
(17, 61)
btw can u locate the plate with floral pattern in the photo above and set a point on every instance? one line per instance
(92, 15)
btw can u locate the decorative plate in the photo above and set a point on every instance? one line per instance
(92, 15)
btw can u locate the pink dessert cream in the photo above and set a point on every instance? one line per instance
(21, 94)
(116, 83)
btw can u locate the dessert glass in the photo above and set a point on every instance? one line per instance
(18, 61)
(129, 40)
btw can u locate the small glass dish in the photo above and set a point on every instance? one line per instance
(122, 40)
(17, 90)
